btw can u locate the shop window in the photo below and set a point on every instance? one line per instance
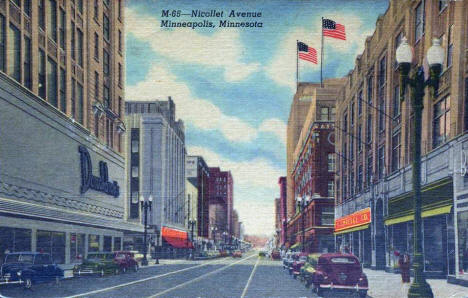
(435, 256)
(77, 247)
(441, 122)
(52, 243)
(107, 243)
(93, 243)
(462, 219)
(117, 243)
(13, 240)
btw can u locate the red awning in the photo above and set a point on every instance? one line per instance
(176, 238)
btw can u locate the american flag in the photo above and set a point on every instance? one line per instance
(332, 29)
(307, 53)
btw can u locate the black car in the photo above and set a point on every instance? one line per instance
(28, 268)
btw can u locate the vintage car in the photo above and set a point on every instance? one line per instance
(237, 254)
(339, 272)
(262, 253)
(275, 255)
(223, 253)
(126, 261)
(100, 263)
(286, 258)
(138, 256)
(297, 264)
(308, 269)
(294, 257)
(29, 267)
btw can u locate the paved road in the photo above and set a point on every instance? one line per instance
(249, 276)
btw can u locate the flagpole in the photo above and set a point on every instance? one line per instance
(321, 58)
(297, 64)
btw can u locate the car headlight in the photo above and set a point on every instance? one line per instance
(18, 273)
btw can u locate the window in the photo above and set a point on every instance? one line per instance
(419, 21)
(119, 8)
(332, 114)
(382, 71)
(396, 145)
(62, 31)
(52, 82)
(352, 111)
(63, 90)
(120, 107)
(369, 169)
(331, 188)
(41, 13)
(442, 4)
(52, 19)
(109, 134)
(27, 72)
(135, 146)
(107, 245)
(351, 181)
(450, 47)
(328, 215)
(96, 9)
(381, 162)
(324, 114)
(80, 47)
(96, 125)
(369, 128)
(105, 28)
(107, 3)
(96, 85)
(381, 110)
(42, 75)
(93, 243)
(135, 172)
(14, 53)
(441, 125)
(105, 63)
(398, 40)
(80, 103)
(359, 179)
(120, 41)
(370, 81)
(27, 7)
(2, 43)
(96, 46)
(359, 136)
(360, 103)
(331, 162)
(73, 99)
(396, 107)
(120, 74)
(106, 96)
(72, 41)
(80, 6)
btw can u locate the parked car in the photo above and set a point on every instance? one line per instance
(339, 272)
(237, 254)
(223, 253)
(286, 258)
(126, 261)
(138, 256)
(308, 269)
(101, 263)
(275, 255)
(28, 268)
(294, 257)
(262, 253)
(297, 264)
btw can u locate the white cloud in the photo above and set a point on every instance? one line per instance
(255, 187)
(222, 49)
(275, 126)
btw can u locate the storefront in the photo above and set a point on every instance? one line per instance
(175, 243)
(438, 229)
(353, 235)
(462, 224)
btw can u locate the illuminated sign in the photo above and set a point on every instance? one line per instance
(356, 219)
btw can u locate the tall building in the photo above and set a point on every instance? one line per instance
(374, 131)
(156, 167)
(198, 173)
(313, 171)
(221, 202)
(62, 185)
(191, 209)
(283, 217)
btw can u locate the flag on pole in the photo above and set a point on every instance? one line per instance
(306, 53)
(332, 29)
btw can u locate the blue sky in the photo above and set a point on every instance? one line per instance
(233, 86)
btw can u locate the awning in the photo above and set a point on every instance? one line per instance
(352, 229)
(176, 238)
(297, 245)
(427, 213)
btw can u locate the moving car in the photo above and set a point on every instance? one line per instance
(237, 254)
(100, 263)
(308, 269)
(126, 261)
(339, 272)
(28, 268)
(297, 264)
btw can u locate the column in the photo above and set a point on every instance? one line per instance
(67, 247)
(101, 242)
(33, 239)
(86, 244)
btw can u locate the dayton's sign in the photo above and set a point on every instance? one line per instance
(356, 219)
(89, 181)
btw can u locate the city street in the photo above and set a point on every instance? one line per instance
(249, 276)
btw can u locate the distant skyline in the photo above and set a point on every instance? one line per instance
(233, 86)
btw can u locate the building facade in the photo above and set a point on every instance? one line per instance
(374, 151)
(191, 210)
(62, 185)
(221, 203)
(314, 169)
(283, 217)
(156, 167)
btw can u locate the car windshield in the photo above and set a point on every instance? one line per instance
(17, 258)
(120, 256)
(343, 260)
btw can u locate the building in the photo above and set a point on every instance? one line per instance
(373, 132)
(221, 203)
(197, 172)
(191, 210)
(62, 185)
(283, 217)
(314, 169)
(156, 168)
(277, 222)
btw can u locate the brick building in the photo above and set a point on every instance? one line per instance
(283, 216)
(373, 131)
(221, 203)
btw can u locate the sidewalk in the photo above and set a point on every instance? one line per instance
(384, 285)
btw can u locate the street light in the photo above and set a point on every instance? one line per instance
(192, 223)
(415, 79)
(145, 205)
(303, 201)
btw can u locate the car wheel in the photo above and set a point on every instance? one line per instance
(27, 283)
(101, 273)
(135, 268)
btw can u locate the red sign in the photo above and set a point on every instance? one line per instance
(356, 219)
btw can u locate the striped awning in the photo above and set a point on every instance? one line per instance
(427, 213)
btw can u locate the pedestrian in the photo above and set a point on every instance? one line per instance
(404, 262)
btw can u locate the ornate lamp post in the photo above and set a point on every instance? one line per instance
(303, 202)
(145, 205)
(157, 246)
(415, 79)
(192, 223)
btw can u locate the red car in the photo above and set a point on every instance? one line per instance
(126, 261)
(237, 254)
(275, 255)
(298, 263)
(339, 272)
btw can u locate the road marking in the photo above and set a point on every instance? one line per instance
(200, 277)
(141, 280)
(250, 278)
